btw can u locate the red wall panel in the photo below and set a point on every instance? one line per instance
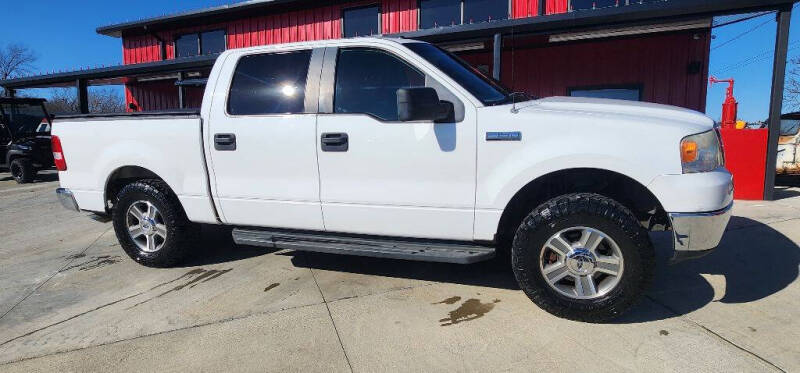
(524, 8)
(656, 63)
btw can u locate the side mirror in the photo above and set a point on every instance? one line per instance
(422, 103)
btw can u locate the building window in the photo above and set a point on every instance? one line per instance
(212, 42)
(594, 4)
(367, 81)
(438, 13)
(484, 10)
(269, 84)
(361, 21)
(208, 42)
(618, 93)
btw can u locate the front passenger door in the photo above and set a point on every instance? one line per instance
(412, 179)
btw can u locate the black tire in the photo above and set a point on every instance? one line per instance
(180, 233)
(595, 212)
(22, 170)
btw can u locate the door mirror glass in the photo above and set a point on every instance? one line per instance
(422, 103)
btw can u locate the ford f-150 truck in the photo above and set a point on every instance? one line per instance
(394, 148)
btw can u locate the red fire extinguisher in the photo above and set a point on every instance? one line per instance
(730, 106)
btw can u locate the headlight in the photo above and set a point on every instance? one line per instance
(701, 153)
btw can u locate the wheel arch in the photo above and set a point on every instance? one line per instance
(624, 189)
(125, 175)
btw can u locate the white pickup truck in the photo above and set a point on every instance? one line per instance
(394, 148)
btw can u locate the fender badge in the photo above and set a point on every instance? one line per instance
(503, 136)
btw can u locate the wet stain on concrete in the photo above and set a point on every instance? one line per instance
(470, 310)
(271, 286)
(451, 300)
(663, 332)
(752, 329)
(194, 276)
(190, 279)
(95, 262)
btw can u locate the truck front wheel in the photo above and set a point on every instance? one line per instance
(151, 225)
(583, 257)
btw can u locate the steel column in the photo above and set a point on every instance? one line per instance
(83, 96)
(181, 91)
(542, 10)
(10, 92)
(498, 50)
(784, 19)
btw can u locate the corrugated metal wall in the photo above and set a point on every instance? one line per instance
(302, 25)
(658, 63)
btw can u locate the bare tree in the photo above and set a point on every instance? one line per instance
(101, 100)
(15, 60)
(791, 99)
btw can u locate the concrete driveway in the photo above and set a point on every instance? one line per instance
(70, 300)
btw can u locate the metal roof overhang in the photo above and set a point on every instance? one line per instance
(635, 14)
(108, 75)
(668, 8)
(647, 13)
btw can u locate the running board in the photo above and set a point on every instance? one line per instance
(425, 251)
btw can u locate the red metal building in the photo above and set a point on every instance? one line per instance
(663, 63)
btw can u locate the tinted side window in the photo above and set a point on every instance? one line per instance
(269, 84)
(367, 81)
(187, 45)
(212, 41)
(360, 21)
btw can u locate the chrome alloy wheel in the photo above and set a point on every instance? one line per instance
(581, 263)
(146, 226)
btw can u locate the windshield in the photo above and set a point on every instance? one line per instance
(487, 90)
(22, 119)
(790, 127)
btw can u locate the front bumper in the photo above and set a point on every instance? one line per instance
(67, 199)
(698, 233)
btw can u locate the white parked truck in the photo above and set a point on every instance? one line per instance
(394, 148)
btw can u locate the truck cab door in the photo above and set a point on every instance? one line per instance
(379, 175)
(261, 140)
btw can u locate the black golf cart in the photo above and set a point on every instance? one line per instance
(24, 137)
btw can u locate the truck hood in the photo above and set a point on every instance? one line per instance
(647, 113)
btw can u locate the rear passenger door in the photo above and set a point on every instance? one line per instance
(381, 176)
(262, 134)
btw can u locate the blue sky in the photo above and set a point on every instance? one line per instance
(63, 35)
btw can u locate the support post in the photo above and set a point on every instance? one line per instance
(542, 7)
(181, 91)
(498, 50)
(83, 96)
(784, 17)
(10, 92)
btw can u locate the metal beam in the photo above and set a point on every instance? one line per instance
(498, 56)
(181, 91)
(784, 19)
(83, 96)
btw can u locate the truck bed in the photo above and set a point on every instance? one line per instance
(98, 148)
(183, 113)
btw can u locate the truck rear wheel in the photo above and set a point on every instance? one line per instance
(151, 225)
(583, 257)
(22, 170)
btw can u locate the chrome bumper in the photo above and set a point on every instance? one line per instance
(67, 199)
(697, 233)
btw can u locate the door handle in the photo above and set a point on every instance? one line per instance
(335, 142)
(225, 141)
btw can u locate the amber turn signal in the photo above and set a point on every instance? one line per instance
(688, 151)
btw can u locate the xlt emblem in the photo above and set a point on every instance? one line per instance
(503, 136)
